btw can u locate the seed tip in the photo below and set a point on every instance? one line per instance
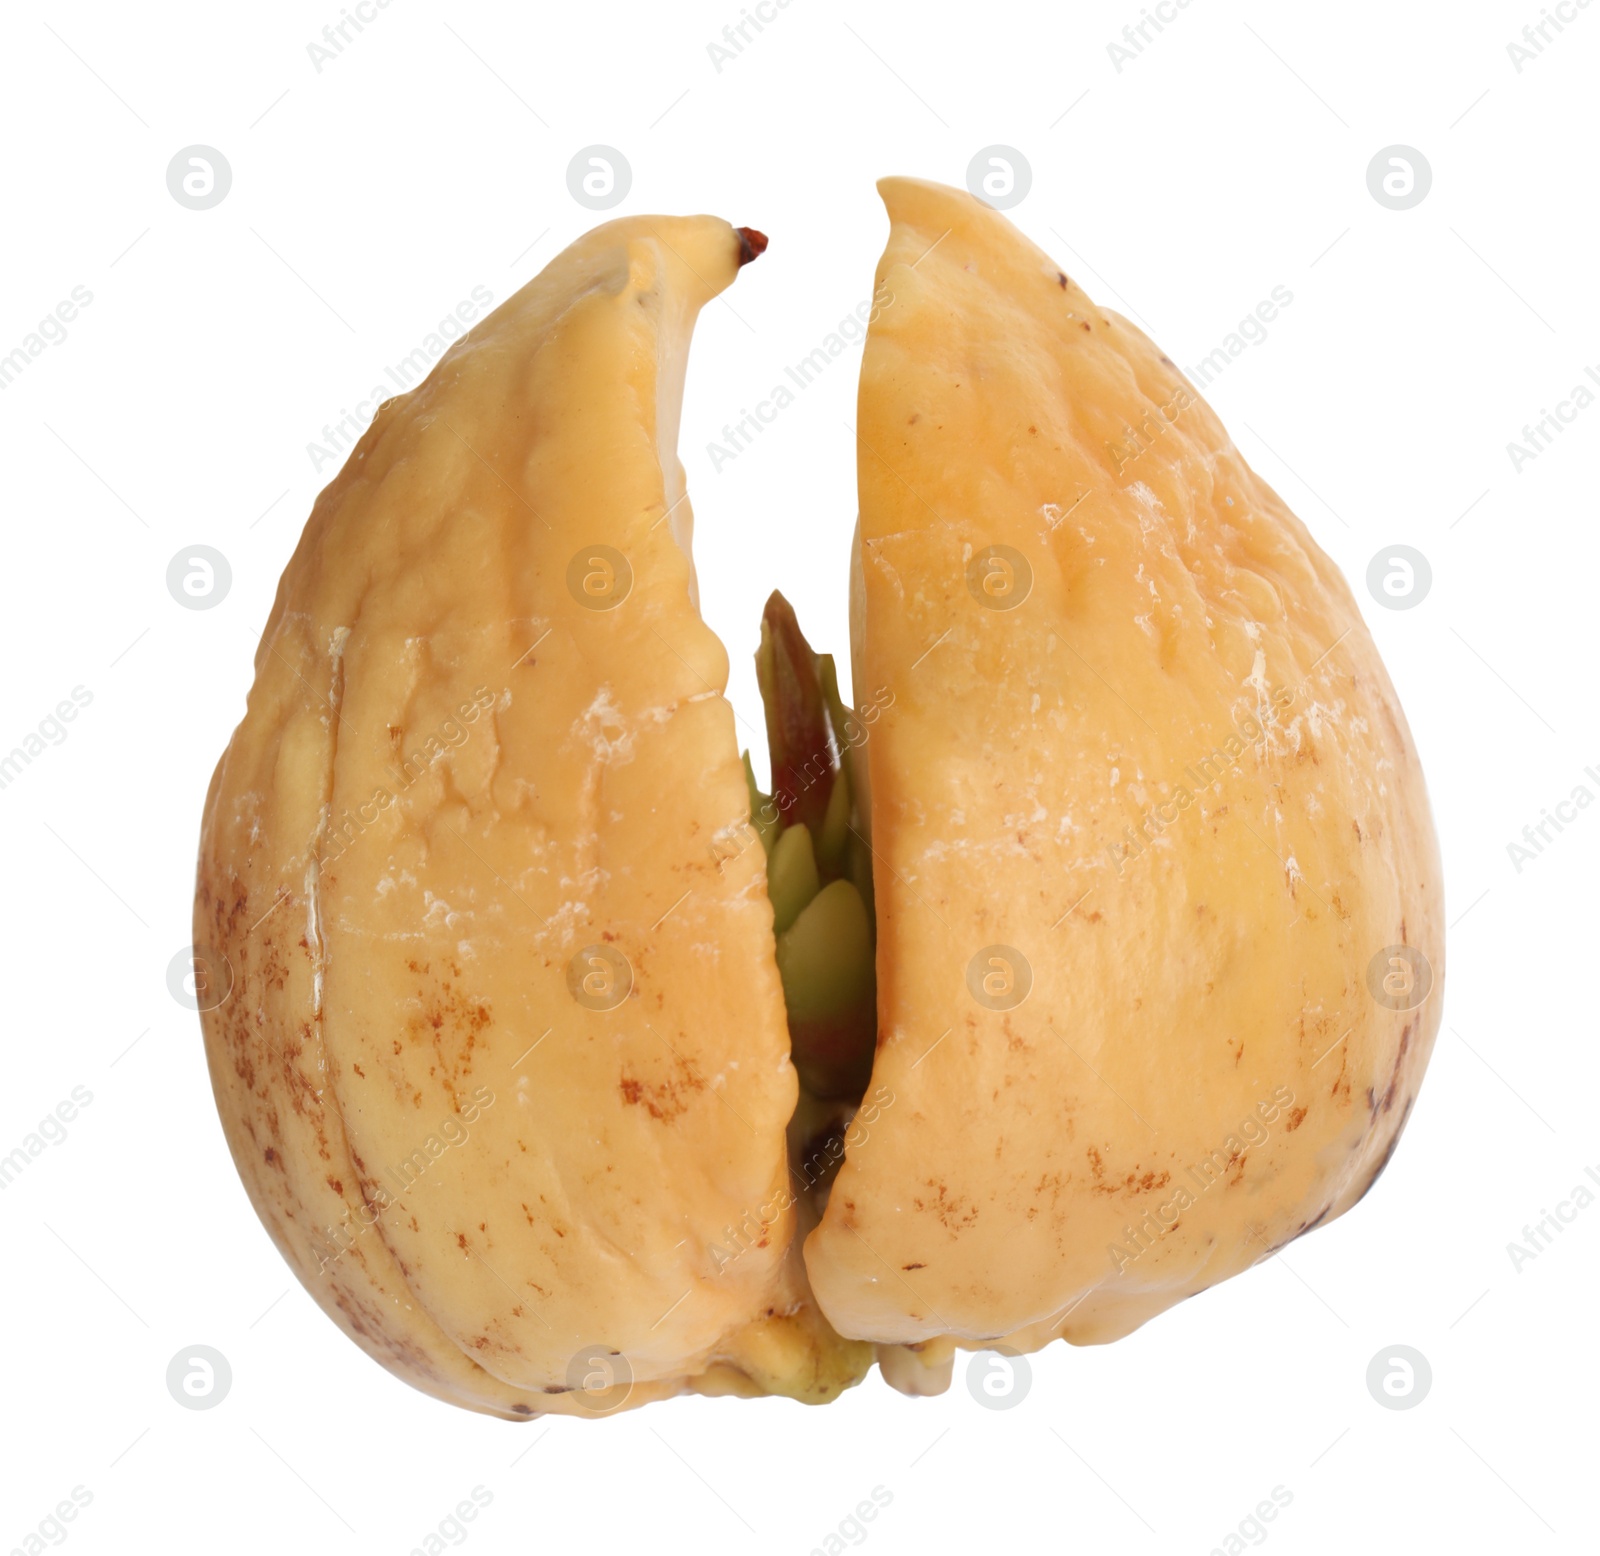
(751, 244)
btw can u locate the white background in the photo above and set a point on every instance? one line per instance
(429, 157)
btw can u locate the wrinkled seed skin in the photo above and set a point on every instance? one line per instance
(1181, 991)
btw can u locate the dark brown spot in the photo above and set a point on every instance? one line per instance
(913, 1266)
(1061, 276)
(664, 1099)
(954, 1211)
